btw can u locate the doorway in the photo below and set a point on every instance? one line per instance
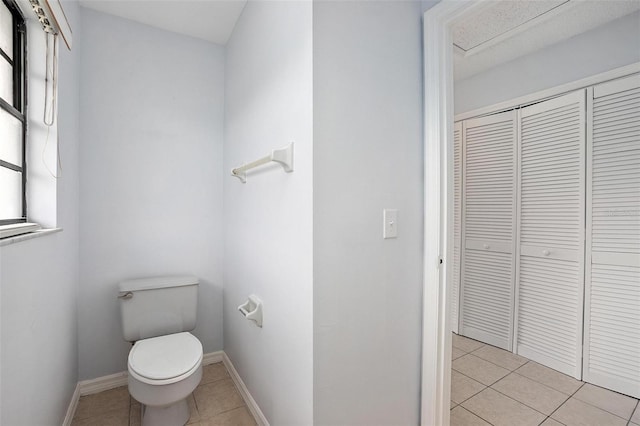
(440, 23)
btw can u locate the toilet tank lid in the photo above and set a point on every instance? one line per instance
(157, 282)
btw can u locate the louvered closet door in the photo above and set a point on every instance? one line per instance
(457, 223)
(489, 195)
(612, 299)
(551, 240)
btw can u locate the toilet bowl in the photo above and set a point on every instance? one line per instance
(165, 362)
(163, 372)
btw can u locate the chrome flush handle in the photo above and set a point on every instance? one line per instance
(126, 295)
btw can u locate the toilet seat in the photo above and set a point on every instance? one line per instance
(165, 359)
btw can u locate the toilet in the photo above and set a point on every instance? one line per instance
(165, 362)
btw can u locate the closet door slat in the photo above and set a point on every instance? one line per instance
(457, 223)
(488, 228)
(612, 293)
(551, 233)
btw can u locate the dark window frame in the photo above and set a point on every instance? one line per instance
(18, 106)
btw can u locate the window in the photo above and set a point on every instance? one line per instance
(12, 114)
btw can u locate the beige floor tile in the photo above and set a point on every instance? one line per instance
(119, 417)
(456, 353)
(193, 410)
(217, 397)
(536, 395)
(465, 344)
(636, 415)
(552, 378)
(551, 422)
(500, 357)
(577, 413)
(236, 417)
(104, 402)
(463, 387)
(479, 369)
(135, 413)
(214, 372)
(500, 410)
(613, 402)
(452, 405)
(462, 417)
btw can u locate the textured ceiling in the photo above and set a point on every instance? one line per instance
(211, 20)
(560, 23)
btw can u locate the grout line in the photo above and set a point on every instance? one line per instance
(471, 396)
(486, 344)
(511, 372)
(129, 413)
(468, 338)
(582, 383)
(520, 402)
(539, 382)
(636, 408)
(475, 380)
(605, 410)
(475, 414)
(216, 381)
(507, 396)
(195, 403)
(565, 401)
(490, 362)
(230, 409)
(467, 352)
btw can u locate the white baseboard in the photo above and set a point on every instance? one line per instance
(112, 381)
(212, 357)
(244, 392)
(73, 404)
(101, 384)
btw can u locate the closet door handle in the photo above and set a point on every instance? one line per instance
(486, 246)
(546, 252)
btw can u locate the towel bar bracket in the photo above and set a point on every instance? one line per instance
(283, 156)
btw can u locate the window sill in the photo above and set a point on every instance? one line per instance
(31, 235)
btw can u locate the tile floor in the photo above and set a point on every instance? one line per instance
(490, 386)
(215, 402)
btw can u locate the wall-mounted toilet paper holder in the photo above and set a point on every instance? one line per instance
(252, 310)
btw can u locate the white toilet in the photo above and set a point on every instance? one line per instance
(165, 363)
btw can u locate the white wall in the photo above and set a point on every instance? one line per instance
(39, 277)
(610, 46)
(367, 157)
(151, 176)
(268, 220)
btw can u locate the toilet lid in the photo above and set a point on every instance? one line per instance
(165, 357)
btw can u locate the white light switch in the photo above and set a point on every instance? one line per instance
(390, 229)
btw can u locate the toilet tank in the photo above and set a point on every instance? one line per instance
(157, 306)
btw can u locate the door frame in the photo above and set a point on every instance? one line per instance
(438, 208)
(438, 195)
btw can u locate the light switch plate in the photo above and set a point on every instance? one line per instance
(390, 229)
